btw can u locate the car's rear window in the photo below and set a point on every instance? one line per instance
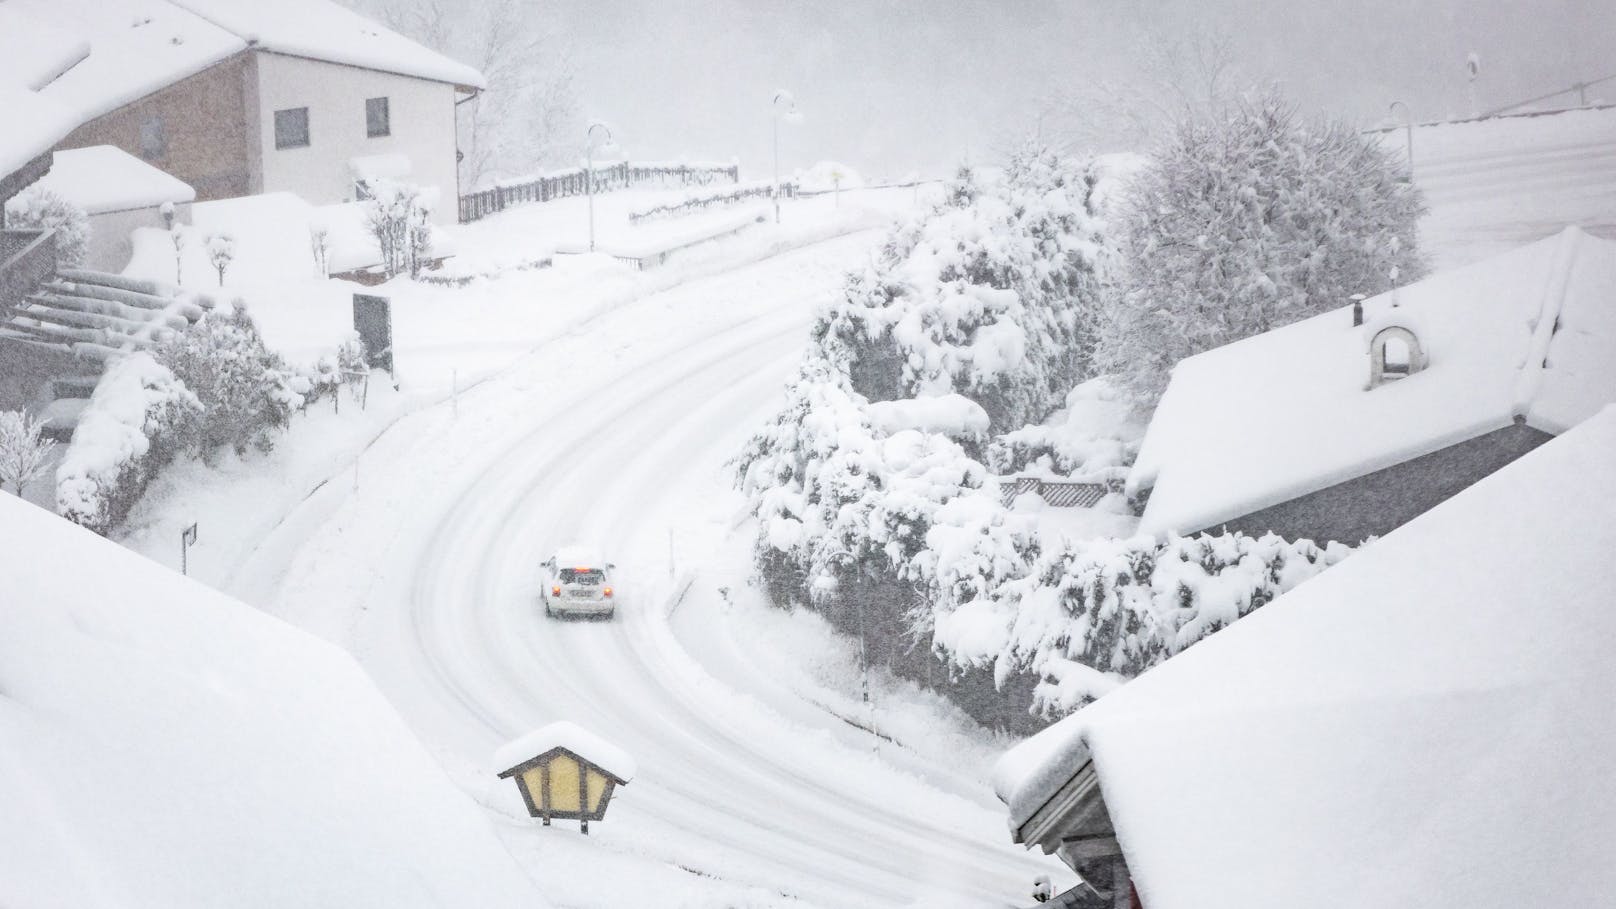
(590, 576)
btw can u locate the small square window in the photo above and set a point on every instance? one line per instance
(292, 128)
(377, 122)
(153, 139)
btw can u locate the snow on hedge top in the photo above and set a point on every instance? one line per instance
(1530, 333)
(572, 737)
(166, 746)
(952, 415)
(141, 46)
(1430, 717)
(322, 30)
(103, 178)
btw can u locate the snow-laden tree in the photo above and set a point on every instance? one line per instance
(38, 208)
(245, 390)
(399, 216)
(23, 453)
(1245, 222)
(529, 117)
(993, 296)
(221, 249)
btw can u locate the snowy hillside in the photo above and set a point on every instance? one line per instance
(162, 745)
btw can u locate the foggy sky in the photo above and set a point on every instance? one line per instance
(890, 86)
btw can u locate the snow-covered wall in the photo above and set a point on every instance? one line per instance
(421, 115)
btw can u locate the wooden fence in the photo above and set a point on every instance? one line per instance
(575, 182)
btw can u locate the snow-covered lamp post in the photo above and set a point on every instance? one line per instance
(785, 107)
(1408, 124)
(596, 129)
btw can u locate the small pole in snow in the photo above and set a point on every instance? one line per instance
(187, 540)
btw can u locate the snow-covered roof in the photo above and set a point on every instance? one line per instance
(102, 178)
(1430, 717)
(322, 30)
(137, 47)
(574, 738)
(165, 745)
(1530, 333)
(32, 52)
(579, 556)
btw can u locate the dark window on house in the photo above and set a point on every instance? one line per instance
(292, 128)
(377, 122)
(153, 139)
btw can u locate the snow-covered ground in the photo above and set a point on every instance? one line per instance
(758, 784)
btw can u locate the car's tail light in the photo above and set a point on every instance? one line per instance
(607, 591)
(555, 591)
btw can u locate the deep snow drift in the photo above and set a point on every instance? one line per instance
(162, 745)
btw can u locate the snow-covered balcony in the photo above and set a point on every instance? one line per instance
(27, 260)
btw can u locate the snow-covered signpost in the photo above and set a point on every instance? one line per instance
(187, 540)
(602, 133)
(565, 771)
(785, 108)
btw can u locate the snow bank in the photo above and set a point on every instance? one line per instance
(165, 746)
(572, 737)
(827, 176)
(1431, 717)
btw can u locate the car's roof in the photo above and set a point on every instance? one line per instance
(579, 557)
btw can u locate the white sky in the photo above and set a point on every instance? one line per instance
(890, 86)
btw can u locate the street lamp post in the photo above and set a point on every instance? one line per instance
(1408, 124)
(783, 105)
(589, 171)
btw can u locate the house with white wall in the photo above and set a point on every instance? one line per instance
(240, 97)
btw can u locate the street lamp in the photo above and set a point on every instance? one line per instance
(595, 128)
(784, 106)
(1408, 115)
(864, 659)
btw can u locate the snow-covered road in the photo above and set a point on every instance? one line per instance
(616, 435)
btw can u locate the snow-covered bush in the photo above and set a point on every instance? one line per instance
(38, 208)
(344, 366)
(221, 249)
(245, 390)
(1243, 222)
(992, 296)
(139, 417)
(23, 453)
(399, 215)
(1093, 439)
(1085, 616)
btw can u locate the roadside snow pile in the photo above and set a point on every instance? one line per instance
(827, 176)
(166, 746)
(135, 423)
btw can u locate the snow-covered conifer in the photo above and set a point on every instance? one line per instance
(23, 453)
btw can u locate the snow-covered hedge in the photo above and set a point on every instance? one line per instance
(245, 390)
(1085, 616)
(1093, 439)
(139, 417)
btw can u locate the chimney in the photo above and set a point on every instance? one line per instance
(1357, 310)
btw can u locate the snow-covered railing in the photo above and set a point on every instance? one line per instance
(27, 259)
(576, 182)
(719, 199)
(1057, 493)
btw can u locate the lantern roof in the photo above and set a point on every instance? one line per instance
(516, 755)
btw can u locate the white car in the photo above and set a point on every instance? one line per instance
(577, 581)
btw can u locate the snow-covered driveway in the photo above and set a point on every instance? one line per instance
(616, 435)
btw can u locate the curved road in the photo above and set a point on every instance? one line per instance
(614, 438)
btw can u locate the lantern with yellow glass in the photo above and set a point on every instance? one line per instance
(564, 771)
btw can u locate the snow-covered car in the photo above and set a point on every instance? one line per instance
(577, 581)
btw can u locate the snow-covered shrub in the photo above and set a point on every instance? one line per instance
(992, 296)
(1084, 617)
(139, 417)
(246, 391)
(38, 208)
(23, 453)
(1246, 221)
(399, 215)
(221, 249)
(344, 366)
(1093, 439)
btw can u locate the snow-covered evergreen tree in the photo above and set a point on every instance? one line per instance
(23, 453)
(40, 209)
(1246, 221)
(245, 390)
